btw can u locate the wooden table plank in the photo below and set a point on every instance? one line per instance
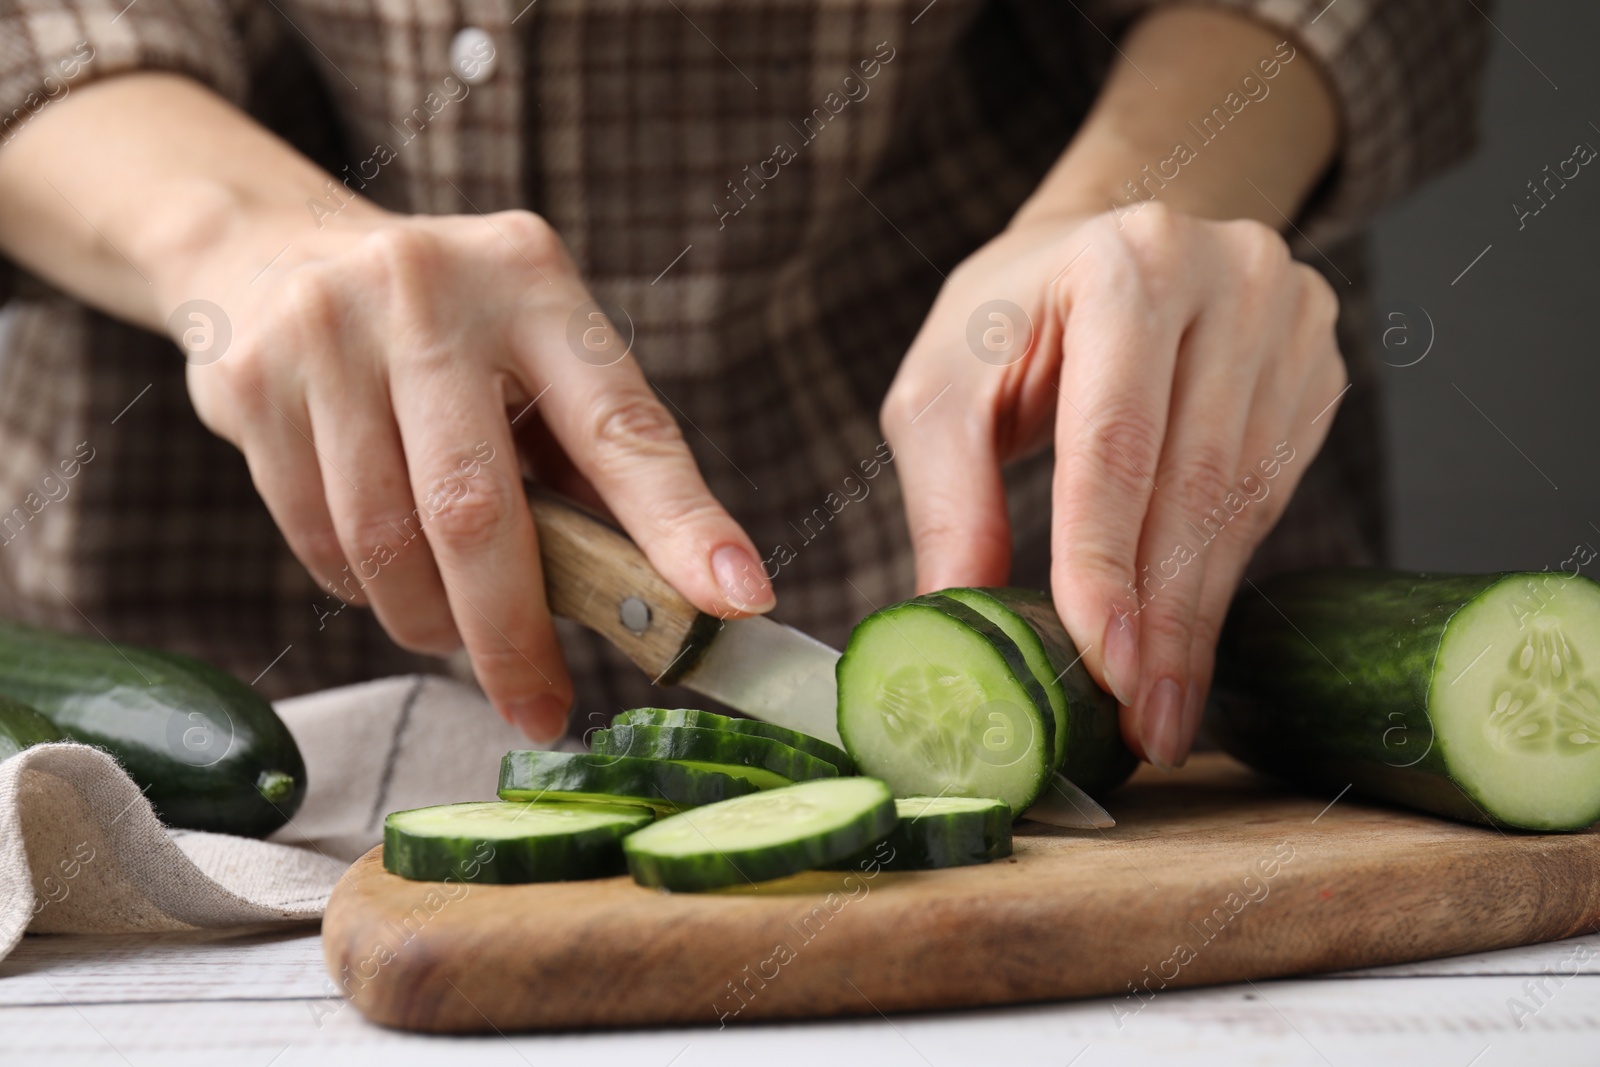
(172, 967)
(1449, 1021)
(259, 1000)
(288, 965)
(1575, 955)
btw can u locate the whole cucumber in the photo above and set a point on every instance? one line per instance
(208, 750)
(1470, 696)
(21, 727)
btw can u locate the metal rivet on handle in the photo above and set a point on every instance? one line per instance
(635, 615)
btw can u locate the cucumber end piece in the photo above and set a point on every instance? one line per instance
(937, 700)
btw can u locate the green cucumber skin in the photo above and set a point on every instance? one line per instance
(710, 720)
(21, 727)
(573, 857)
(704, 745)
(933, 842)
(1358, 717)
(658, 784)
(744, 866)
(1097, 760)
(145, 707)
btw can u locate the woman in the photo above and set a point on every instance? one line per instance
(678, 256)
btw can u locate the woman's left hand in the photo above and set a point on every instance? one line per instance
(1186, 372)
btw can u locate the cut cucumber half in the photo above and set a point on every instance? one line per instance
(585, 777)
(501, 843)
(1476, 697)
(1089, 747)
(936, 700)
(710, 720)
(936, 832)
(759, 760)
(762, 836)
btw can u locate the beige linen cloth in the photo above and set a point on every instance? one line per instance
(81, 850)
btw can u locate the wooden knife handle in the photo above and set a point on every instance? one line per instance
(595, 576)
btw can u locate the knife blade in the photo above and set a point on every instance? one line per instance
(597, 577)
(781, 675)
(771, 672)
(1064, 804)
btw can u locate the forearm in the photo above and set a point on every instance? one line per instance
(1201, 138)
(139, 192)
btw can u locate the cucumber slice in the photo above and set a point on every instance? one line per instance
(710, 720)
(756, 776)
(1089, 746)
(584, 777)
(936, 700)
(503, 843)
(936, 832)
(21, 727)
(763, 836)
(1476, 697)
(760, 760)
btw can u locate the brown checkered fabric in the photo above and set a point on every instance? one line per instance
(770, 313)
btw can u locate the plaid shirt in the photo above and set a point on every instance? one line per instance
(769, 313)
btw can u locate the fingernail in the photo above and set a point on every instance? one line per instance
(743, 581)
(1194, 705)
(542, 718)
(1161, 724)
(1121, 656)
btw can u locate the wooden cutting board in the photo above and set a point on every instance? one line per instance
(1212, 874)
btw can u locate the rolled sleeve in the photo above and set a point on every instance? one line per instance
(50, 47)
(1407, 78)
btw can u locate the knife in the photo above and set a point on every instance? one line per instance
(595, 576)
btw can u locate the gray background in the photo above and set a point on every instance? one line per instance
(1517, 334)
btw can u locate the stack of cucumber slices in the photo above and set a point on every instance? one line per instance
(690, 800)
(957, 709)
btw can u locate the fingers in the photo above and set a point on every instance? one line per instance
(464, 478)
(266, 418)
(626, 443)
(1191, 509)
(1187, 350)
(286, 472)
(1292, 413)
(380, 528)
(1277, 471)
(1119, 348)
(949, 474)
(1226, 387)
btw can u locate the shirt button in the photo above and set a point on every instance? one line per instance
(472, 55)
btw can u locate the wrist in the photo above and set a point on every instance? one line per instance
(211, 238)
(1099, 172)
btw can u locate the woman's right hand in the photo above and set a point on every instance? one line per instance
(376, 365)
(371, 381)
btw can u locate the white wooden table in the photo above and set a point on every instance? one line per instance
(264, 1001)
